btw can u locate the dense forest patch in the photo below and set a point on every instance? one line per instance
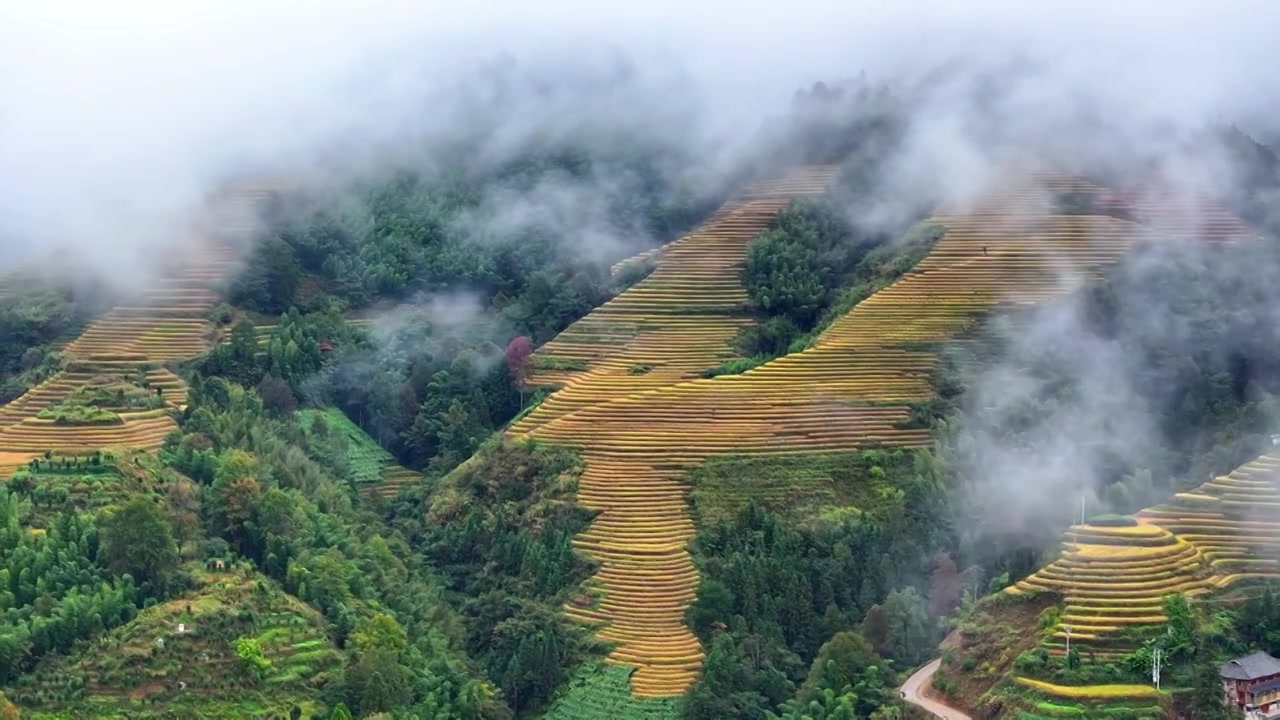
(265, 499)
(34, 318)
(500, 530)
(782, 587)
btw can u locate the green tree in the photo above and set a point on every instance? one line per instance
(182, 504)
(136, 540)
(825, 705)
(251, 657)
(846, 663)
(840, 664)
(379, 631)
(910, 636)
(235, 464)
(790, 270)
(1180, 639)
(269, 283)
(1205, 699)
(237, 360)
(460, 432)
(15, 648)
(234, 508)
(378, 682)
(714, 604)
(277, 396)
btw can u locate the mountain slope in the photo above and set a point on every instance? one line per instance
(676, 322)
(1108, 584)
(640, 431)
(178, 658)
(166, 322)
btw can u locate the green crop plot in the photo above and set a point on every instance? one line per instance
(365, 459)
(604, 691)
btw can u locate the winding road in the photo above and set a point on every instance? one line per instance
(913, 692)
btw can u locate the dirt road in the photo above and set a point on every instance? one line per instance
(913, 691)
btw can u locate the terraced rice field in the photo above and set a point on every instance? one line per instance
(676, 323)
(634, 404)
(1113, 580)
(165, 322)
(1045, 701)
(234, 211)
(1107, 691)
(1112, 577)
(1231, 519)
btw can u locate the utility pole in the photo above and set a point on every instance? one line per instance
(1082, 507)
(1067, 630)
(1157, 657)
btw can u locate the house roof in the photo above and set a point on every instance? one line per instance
(1250, 667)
(1263, 688)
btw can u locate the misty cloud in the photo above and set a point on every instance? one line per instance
(1167, 370)
(1043, 421)
(448, 315)
(116, 120)
(581, 215)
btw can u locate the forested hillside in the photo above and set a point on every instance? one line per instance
(572, 431)
(271, 558)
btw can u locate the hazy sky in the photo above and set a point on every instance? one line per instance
(115, 117)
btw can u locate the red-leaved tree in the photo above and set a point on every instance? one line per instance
(518, 352)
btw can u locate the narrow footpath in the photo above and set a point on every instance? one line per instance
(913, 692)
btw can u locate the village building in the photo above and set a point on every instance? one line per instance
(1251, 684)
